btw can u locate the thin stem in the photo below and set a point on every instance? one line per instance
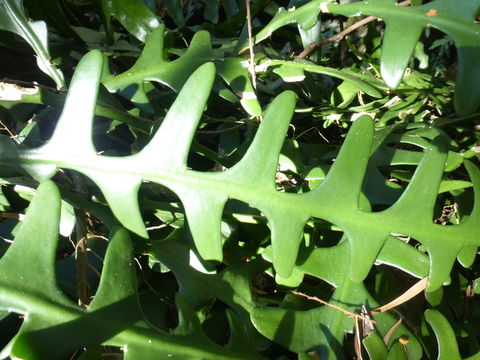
(346, 312)
(219, 131)
(251, 66)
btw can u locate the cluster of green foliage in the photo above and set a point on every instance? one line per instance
(172, 187)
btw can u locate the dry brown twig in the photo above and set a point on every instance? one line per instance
(336, 307)
(407, 295)
(357, 344)
(343, 33)
(5, 128)
(366, 320)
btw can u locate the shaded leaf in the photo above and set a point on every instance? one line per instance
(12, 18)
(134, 15)
(113, 318)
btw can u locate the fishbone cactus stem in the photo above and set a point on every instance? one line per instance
(251, 180)
(306, 191)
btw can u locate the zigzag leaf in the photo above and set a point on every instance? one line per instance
(114, 317)
(252, 180)
(151, 66)
(197, 287)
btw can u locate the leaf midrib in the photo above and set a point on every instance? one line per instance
(326, 208)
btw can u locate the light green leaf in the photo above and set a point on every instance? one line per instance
(252, 180)
(151, 66)
(235, 73)
(375, 346)
(315, 329)
(293, 71)
(398, 46)
(67, 214)
(15, 266)
(404, 25)
(447, 343)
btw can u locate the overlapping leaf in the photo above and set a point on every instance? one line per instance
(323, 329)
(13, 19)
(355, 171)
(114, 317)
(404, 26)
(251, 180)
(454, 18)
(134, 15)
(151, 66)
(231, 286)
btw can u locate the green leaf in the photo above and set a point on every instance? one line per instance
(305, 16)
(453, 18)
(322, 329)
(113, 318)
(398, 46)
(234, 72)
(197, 287)
(52, 11)
(151, 66)
(134, 15)
(67, 214)
(17, 273)
(175, 10)
(13, 19)
(447, 343)
(251, 180)
(370, 193)
(397, 352)
(106, 106)
(375, 346)
(293, 71)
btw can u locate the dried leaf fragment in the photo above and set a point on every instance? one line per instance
(13, 92)
(407, 295)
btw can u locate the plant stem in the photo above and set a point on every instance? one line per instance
(251, 67)
(81, 247)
